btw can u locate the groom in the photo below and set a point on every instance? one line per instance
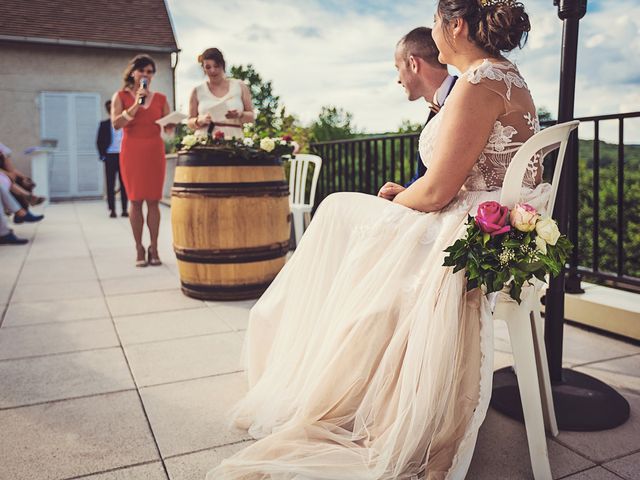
(422, 76)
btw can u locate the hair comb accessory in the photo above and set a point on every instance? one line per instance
(491, 3)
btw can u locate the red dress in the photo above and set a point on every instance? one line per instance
(142, 161)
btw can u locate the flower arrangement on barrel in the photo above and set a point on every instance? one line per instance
(245, 146)
(506, 248)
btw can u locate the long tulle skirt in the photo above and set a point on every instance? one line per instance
(366, 358)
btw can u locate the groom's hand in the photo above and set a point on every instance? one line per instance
(389, 190)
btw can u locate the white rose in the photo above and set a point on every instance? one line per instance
(248, 141)
(524, 217)
(548, 230)
(541, 245)
(267, 144)
(201, 137)
(189, 140)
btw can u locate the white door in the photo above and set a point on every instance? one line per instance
(72, 119)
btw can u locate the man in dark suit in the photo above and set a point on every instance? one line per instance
(422, 76)
(108, 143)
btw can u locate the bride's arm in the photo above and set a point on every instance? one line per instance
(466, 125)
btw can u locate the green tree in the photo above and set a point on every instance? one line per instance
(407, 126)
(264, 100)
(333, 123)
(544, 115)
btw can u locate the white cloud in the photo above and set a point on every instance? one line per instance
(341, 53)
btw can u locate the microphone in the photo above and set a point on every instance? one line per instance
(144, 84)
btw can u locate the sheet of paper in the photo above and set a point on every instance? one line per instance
(173, 117)
(218, 111)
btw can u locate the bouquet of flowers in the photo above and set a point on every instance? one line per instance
(275, 146)
(508, 248)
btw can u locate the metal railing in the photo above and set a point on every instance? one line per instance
(608, 223)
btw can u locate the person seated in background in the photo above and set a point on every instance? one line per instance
(10, 205)
(7, 237)
(21, 185)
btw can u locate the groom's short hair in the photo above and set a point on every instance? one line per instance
(419, 43)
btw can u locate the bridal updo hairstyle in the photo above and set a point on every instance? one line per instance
(139, 62)
(212, 54)
(494, 25)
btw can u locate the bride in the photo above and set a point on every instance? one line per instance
(366, 358)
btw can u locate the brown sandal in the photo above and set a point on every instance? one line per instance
(35, 200)
(154, 261)
(143, 262)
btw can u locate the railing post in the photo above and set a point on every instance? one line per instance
(573, 279)
(620, 213)
(368, 171)
(595, 265)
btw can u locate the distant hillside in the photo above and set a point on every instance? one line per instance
(609, 154)
(608, 197)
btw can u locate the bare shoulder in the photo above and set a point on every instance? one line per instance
(243, 84)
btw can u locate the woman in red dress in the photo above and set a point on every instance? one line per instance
(135, 108)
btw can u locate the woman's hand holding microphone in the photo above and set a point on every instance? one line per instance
(141, 96)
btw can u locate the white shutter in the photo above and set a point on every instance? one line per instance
(55, 124)
(88, 168)
(72, 119)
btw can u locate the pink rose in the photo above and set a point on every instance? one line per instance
(492, 218)
(523, 217)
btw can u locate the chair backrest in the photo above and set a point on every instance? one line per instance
(545, 142)
(299, 168)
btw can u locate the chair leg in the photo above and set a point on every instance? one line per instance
(521, 335)
(298, 225)
(546, 394)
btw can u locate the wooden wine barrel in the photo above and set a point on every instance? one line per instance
(231, 223)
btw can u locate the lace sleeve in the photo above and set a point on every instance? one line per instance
(511, 129)
(501, 78)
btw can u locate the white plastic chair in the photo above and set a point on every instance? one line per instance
(299, 168)
(524, 321)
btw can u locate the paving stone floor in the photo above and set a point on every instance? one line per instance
(107, 372)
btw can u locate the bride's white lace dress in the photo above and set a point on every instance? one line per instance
(366, 358)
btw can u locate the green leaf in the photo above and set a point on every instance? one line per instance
(529, 267)
(516, 291)
(458, 268)
(449, 262)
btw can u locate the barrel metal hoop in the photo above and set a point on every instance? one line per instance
(233, 255)
(204, 158)
(225, 292)
(278, 188)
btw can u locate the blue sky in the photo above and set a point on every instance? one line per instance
(341, 53)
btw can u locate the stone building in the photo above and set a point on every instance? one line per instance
(60, 60)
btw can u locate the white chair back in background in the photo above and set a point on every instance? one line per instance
(299, 201)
